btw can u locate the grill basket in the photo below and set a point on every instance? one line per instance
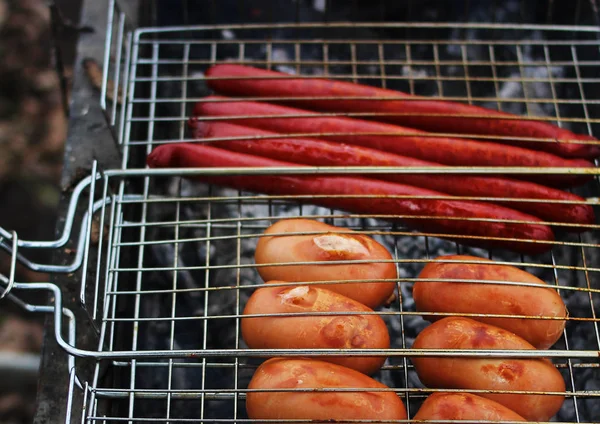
(165, 265)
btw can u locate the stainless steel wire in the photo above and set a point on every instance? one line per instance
(150, 83)
(240, 228)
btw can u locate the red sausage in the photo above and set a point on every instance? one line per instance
(324, 153)
(447, 151)
(410, 112)
(445, 218)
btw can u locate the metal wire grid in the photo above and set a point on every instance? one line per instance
(154, 59)
(167, 74)
(130, 285)
(571, 360)
(238, 227)
(231, 361)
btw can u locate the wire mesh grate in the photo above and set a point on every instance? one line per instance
(177, 268)
(208, 264)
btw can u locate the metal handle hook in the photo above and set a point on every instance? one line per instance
(13, 266)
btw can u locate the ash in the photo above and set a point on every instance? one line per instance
(225, 253)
